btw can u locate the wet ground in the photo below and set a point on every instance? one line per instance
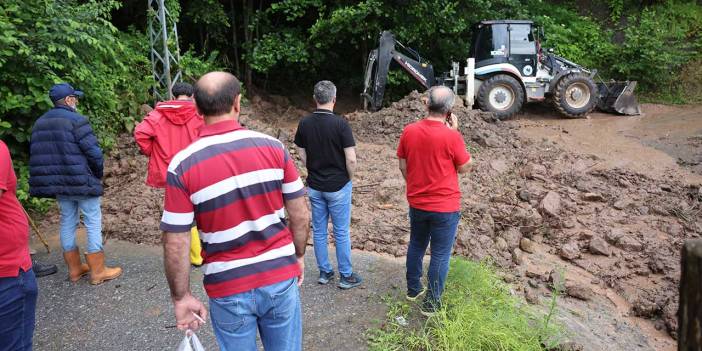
(134, 312)
(663, 141)
(647, 162)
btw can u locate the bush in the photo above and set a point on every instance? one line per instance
(46, 42)
(479, 313)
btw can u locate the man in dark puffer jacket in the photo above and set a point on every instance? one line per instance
(65, 162)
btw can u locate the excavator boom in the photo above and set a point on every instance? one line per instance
(378, 65)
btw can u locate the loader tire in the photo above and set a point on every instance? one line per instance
(502, 95)
(575, 95)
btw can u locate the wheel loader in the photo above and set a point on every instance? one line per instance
(506, 67)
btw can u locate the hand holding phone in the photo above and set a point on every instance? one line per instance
(451, 120)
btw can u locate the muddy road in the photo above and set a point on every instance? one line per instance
(601, 205)
(663, 141)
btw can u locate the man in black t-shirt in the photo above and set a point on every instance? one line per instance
(328, 150)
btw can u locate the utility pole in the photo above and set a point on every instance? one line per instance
(165, 52)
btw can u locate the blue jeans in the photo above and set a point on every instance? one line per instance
(18, 302)
(70, 217)
(338, 206)
(439, 229)
(272, 309)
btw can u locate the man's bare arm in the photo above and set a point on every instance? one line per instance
(303, 155)
(299, 217)
(403, 168)
(350, 153)
(176, 259)
(467, 167)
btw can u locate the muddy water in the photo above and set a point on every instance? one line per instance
(665, 141)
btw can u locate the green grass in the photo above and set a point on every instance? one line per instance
(479, 313)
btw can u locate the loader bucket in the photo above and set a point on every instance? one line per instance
(618, 97)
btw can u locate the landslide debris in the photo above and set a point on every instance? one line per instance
(624, 228)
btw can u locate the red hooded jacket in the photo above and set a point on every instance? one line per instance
(169, 128)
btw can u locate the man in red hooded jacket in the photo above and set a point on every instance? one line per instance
(165, 131)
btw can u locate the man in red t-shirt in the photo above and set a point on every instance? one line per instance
(432, 153)
(18, 285)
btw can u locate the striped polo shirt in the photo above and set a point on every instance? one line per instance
(233, 182)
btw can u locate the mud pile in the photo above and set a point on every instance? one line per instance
(623, 228)
(523, 198)
(386, 125)
(131, 209)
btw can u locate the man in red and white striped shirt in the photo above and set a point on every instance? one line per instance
(236, 184)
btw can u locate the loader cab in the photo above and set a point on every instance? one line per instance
(505, 42)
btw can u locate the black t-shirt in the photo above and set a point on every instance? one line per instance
(324, 136)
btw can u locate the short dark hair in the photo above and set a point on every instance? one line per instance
(181, 88)
(217, 99)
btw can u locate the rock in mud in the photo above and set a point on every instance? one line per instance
(534, 171)
(531, 296)
(614, 235)
(599, 246)
(629, 243)
(551, 204)
(556, 280)
(595, 197)
(568, 346)
(499, 165)
(621, 204)
(644, 308)
(579, 291)
(518, 256)
(569, 251)
(512, 237)
(527, 245)
(501, 244)
(524, 195)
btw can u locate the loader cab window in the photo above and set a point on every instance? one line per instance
(490, 41)
(521, 40)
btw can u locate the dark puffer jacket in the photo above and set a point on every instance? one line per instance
(64, 156)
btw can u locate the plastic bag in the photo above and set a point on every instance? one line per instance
(190, 343)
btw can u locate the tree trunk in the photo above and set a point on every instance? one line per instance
(235, 41)
(690, 310)
(248, 39)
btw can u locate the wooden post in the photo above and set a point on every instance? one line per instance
(690, 310)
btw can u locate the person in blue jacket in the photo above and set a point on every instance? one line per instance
(65, 162)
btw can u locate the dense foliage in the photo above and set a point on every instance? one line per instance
(284, 45)
(43, 42)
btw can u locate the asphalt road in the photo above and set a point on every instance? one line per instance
(134, 312)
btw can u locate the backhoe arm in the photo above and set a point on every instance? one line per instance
(376, 75)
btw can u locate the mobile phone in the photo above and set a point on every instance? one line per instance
(448, 118)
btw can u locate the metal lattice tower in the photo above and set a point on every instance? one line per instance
(165, 52)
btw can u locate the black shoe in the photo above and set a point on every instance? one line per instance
(351, 281)
(429, 307)
(42, 270)
(412, 296)
(325, 277)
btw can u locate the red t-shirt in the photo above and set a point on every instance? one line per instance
(433, 152)
(14, 229)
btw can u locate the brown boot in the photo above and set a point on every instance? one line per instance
(76, 269)
(98, 272)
